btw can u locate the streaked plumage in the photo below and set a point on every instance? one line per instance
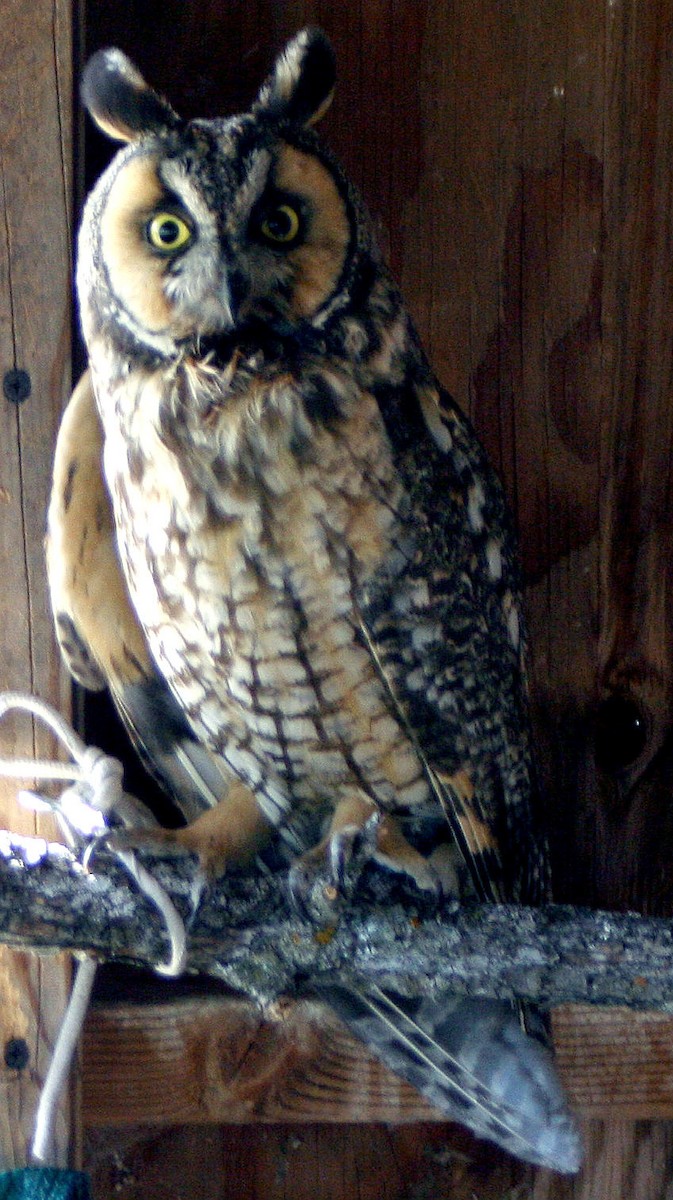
(308, 589)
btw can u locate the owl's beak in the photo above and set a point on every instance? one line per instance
(234, 295)
(228, 320)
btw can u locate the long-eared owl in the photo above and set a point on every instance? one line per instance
(279, 544)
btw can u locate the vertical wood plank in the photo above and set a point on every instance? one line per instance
(628, 1158)
(35, 231)
(307, 1162)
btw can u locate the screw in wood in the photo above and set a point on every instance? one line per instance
(17, 1054)
(16, 385)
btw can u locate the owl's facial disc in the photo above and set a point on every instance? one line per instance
(201, 227)
(136, 269)
(308, 207)
(194, 251)
(163, 253)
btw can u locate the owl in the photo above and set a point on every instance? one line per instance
(279, 544)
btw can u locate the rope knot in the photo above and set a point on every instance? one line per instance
(104, 776)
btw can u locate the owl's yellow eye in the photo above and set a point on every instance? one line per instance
(168, 232)
(281, 225)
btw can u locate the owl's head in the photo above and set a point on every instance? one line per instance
(199, 228)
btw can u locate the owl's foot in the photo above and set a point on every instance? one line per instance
(124, 842)
(228, 835)
(358, 833)
(157, 840)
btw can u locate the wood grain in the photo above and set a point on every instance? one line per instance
(203, 1061)
(308, 1162)
(209, 1061)
(35, 230)
(415, 1162)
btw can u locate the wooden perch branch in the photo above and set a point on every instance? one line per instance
(246, 934)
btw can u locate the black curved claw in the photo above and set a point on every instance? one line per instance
(313, 892)
(320, 880)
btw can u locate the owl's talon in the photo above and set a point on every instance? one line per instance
(342, 850)
(329, 873)
(313, 894)
(158, 841)
(96, 843)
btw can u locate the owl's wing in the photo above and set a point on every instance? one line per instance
(98, 632)
(444, 631)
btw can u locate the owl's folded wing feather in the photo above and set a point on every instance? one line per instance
(97, 629)
(444, 629)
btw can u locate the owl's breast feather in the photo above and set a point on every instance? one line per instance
(243, 560)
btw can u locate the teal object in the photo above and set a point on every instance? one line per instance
(44, 1183)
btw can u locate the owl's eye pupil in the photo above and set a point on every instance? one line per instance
(281, 225)
(168, 232)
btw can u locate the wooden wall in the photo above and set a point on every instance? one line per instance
(35, 325)
(518, 160)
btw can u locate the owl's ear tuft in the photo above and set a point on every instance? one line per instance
(120, 102)
(301, 85)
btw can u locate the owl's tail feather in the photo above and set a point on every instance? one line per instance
(471, 1059)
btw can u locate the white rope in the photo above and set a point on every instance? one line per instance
(26, 768)
(95, 792)
(61, 1061)
(175, 926)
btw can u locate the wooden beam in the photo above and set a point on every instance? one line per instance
(35, 222)
(616, 1064)
(221, 1060)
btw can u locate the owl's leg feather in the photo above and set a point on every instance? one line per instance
(395, 852)
(229, 835)
(358, 833)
